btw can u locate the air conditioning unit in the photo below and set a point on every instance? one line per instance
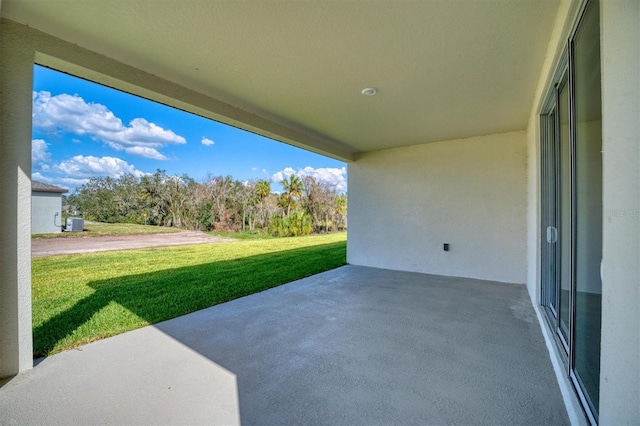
(75, 224)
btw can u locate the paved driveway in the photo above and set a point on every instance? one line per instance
(41, 247)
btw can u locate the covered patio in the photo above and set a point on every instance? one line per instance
(501, 150)
(355, 345)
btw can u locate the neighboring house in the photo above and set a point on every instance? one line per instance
(508, 130)
(46, 208)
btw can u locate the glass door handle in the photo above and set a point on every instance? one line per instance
(552, 234)
(601, 269)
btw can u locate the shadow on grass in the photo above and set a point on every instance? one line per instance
(162, 295)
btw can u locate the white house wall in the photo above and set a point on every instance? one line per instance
(44, 206)
(405, 203)
(620, 358)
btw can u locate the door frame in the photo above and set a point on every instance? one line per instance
(552, 210)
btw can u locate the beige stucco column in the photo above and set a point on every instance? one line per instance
(16, 73)
(620, 360)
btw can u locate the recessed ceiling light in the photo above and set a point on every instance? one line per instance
(369, 91)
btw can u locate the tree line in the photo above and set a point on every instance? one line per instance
(218, 203)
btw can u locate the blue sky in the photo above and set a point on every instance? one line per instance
(82, 129)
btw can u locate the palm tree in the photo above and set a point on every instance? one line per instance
(293, 189)
(262, 191)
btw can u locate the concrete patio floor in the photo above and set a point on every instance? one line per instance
(350, 346)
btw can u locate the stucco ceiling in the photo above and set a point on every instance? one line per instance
(445, 69)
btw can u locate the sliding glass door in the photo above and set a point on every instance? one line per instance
(571, 190)
(588, 199)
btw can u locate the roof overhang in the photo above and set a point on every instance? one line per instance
(294, 71)
(41, 187)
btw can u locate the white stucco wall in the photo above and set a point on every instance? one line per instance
(405, 203)
(620, 350)
(44, 206)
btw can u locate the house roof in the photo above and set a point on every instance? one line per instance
(443, 69)
(45, 187)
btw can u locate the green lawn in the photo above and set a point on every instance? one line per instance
(94, 229)
(242, 235)
(81, 298)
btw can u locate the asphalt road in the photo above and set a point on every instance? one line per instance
(42, 247)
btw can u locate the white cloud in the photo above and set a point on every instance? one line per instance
(336, 177)
(76, 171)
(70, 113)
(39, 153)
(146, 152)
(207, 141)
(278, 177)
(84, 167)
